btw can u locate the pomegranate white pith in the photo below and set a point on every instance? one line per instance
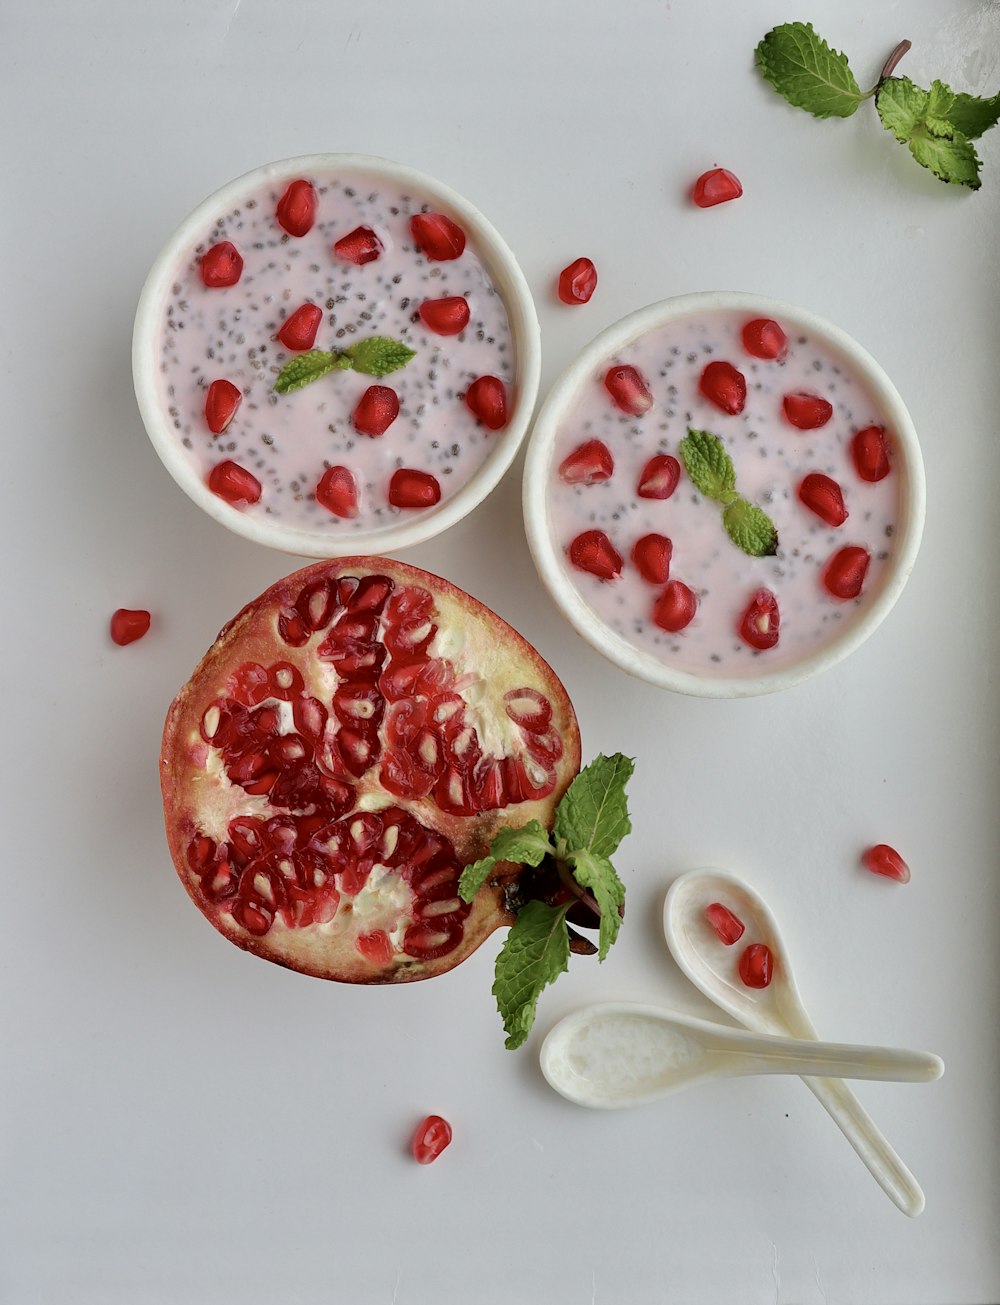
(351, 741)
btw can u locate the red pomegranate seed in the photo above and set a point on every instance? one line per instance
(756, 966)
(651, 555)
(870, 452)
(298, 331)
(359, 246)
(759, 623)
(807, 411)
(578, 281)
(234, 483)
(221, 266)
(659, 477)
(716, 187)
(845, 572)
(728, 927)
(675, 607)
(432, 1136)
(486, 399)
(823, 496)
(885, 860)
(221, 402)
(764, 338)
(627, 386)
(437, 236)
(447, 316)
(594, 552)
(724, 386)
(128, 625)
(413, 489)
(375, 946)
(588, 465)
(337, 491)
(376, 410)
(296, 210)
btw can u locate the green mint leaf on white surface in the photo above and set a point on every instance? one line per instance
(750, 528)
(971, 114)
(708, 465)
(952, 158)
(535, 953)
(378, 356)
(807, 72)
(593, 814)
(596, 872)
(901, 105)
(307, 367)
(526, 846)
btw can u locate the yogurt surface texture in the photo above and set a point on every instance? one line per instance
(771, 457)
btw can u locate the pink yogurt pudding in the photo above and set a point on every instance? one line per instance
(688, 597)
(384, 278)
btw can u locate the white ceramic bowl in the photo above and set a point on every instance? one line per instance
(405, 530)
(907, 465)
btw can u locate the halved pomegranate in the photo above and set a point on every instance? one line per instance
(352, 740)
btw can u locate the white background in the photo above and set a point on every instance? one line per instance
(184, 1123)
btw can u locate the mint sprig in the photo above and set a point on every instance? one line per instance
(377, 356)
(711, 471)
(937, 126)
(590, 822)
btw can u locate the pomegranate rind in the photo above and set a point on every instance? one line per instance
(490, 660)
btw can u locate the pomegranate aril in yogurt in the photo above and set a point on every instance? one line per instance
(659, 477)
(234, 484)
(376, 410)
(675, 607)
(725, 386)
(764, 338)
(337, 491)
(578, 281)
(296, 211)
(718, 186)
(359, 246)
(822, 495)
(756, 965)
(807, 411)
(437, 236)
(413, 489)
(871, 454)
(221, 402)
(728, 928)
(845, 573)
(759, 625)
(885, 860)
(486, 399)
(594, 552)
(298, 332)
(445, 316)
(129, 624)
(221, 266)
(588, 465)
(629, 390)
(651, 555)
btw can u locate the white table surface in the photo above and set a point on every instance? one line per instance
(183, 1123)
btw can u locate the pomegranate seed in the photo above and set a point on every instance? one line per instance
(221, 266)
(578, 281)
(845, 572)
(128, 625)
(359, 246)
(432, 1136)
(651, 555)
(724, 386)
(807, 411)
(871, 453)
(375, 947)
(728, 927)
(823, 496)
(337, 491)
(659, 477)
(234, 483)
(437, 236)
(764, 338)
(885, 860)
(298, 332)
(759, 623)
(627, 386)
(413, 489)
(221, 402)
(486, 399)
(594, 552)
(716, 187)
(376, 410)
(675, 607)
(756, 966)
(588, 465)
(447, 316)
(296, 210)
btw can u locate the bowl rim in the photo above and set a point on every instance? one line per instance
(525, 332)
(636, 661)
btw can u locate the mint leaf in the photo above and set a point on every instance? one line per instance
(972, 115)
(378, 356)
(901, 105)
(305, 368)
(534, 954)
(596, 872)
(528, 845)
(593, 813)
(709, 465)
(940, 99)
(952, 158)
(750, 528)
(807, 72)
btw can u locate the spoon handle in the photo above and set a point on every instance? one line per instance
(770, 1055)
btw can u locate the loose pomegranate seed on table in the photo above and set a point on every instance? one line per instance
(717, 186)
(448, 316)
(594, 552)
(651, 555)
(844, 575)
(807, 411)
(729, 928)
(409, 488)
(437, 236)
(659, 477)
(337, 491)
(221, 402)
(298, 331)
(577, 282)
(129, 624)
(870, 452)
(822, 495)
(375, 411)
(486, 399)
(885, 860)
(627, 387)
(359, 246)
(296, 210)
(588, 465)
(725, 386)
(756, 965)
(759, 624)
(432, 1136)
(234, 484)
(764, 338)
(221, 266)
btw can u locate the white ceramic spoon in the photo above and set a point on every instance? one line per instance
(776, 1009)
(627, 1054)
